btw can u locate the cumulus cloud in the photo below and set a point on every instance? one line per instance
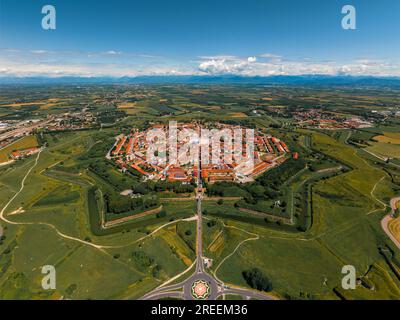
(227, 65)
(95, 64)
(271, 56)
(276, 65)
(76, 69)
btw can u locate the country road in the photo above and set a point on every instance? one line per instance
(217, 287)
(183, 290)
(6, 220)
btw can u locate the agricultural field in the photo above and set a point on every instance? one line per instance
(298, 223)
(394, 227)
(387, 145)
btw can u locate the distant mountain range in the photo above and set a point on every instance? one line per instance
(319, 80)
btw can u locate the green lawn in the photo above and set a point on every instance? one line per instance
(56, 201)
(308, 265)
(346, 210)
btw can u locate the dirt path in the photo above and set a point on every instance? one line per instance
(373, 197)
(18, 211)
(112, 223)
(19, 191)
(178, 275)
(155, 231)
(253, 237)
(96, 246)
(333, 169)
(375, 155)
(3, 211)
(376, 199)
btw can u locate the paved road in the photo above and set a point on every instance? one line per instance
(21, 129)
(248, 294)
(183, 289)
(385, 222)
(200, 273)
(199, 246)
(164, 294)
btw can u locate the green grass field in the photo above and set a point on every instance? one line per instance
(60, 209)
(345, 230)
(55, 208)
(385, 149)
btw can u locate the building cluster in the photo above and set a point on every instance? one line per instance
(315, 118)
(394, 112)
(130, 152)
(12, 130)
(23, 153)
(71, 121)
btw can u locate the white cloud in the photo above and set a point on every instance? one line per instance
(227, 65)
(218, 57)
(58, 69)
(91, 64)
(270, 56)
(276, 65)
(39, 51)
(112, 52)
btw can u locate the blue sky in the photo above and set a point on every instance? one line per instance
(252, 37)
